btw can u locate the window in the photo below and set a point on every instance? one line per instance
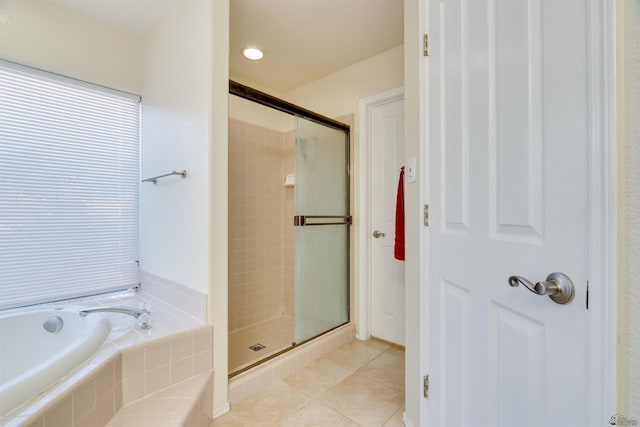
(69, 187)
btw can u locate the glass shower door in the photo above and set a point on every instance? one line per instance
(322, 229)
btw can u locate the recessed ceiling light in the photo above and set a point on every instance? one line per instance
(253, 53)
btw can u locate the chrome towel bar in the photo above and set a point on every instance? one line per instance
(155, 178)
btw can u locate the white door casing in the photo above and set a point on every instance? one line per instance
(381, 277)
(511, 182)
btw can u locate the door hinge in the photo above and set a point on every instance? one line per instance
(426, 386)
(425, 44)
(426, 215)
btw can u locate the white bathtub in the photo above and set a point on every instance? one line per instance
(32, 359)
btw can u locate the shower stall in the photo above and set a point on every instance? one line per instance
(289, 218)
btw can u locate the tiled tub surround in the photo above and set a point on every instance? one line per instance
(131, 365)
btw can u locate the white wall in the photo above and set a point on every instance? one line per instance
(41, 35)
(176, 112)
(185, 126)
(629, 205)
(414, 297)
(338, 94)
(219, 204)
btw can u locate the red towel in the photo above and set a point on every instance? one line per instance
(398, 249)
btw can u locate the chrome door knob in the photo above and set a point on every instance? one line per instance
(558, 287)
(377, 234)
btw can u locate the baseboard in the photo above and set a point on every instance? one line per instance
(405, 420)
(221, 410)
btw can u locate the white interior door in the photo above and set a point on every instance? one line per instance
(508, 189)
(386, 138)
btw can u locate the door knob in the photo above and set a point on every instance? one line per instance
(558, 286)
(377, 234)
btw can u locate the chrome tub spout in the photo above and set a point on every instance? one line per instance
(143, 316)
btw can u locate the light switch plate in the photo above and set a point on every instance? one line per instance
(411, 169)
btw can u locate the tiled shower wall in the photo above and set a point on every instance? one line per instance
(260, 210)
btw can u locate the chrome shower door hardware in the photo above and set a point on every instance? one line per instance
(558, 286)
(308, 220)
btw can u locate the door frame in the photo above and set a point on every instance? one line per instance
(603, 210)
(602, 193)
(363, 212)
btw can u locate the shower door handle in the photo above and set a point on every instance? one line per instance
(309, 220)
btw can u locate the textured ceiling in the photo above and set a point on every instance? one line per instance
(303, 40)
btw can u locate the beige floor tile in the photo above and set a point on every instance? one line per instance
(354, 355)
(360, 383)
(317, 415)
(273, 405)
(364, 401)
(318, 377)
(395, 420)
(376, 344)
(396, 351)
(385, 369)
(231, 419)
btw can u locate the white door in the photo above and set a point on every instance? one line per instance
(508, 185)
(386, 138)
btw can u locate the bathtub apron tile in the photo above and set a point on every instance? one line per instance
(61, 414)
(133, 388)
(157, 379)
(182, 348)
(181, 370)
(84, 400)
(105, 381)
(132, 363)
(105, 410)
(157, 355)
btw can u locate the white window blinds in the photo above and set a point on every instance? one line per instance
(69, 185)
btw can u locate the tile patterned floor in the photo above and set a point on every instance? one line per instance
(359, 384)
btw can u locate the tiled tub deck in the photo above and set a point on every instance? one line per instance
(168, 366)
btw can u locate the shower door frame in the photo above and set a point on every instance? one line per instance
(271, 101)
(265, 99)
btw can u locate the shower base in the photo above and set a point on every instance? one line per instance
(275, 335)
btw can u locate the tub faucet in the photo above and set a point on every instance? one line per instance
(143, 316)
